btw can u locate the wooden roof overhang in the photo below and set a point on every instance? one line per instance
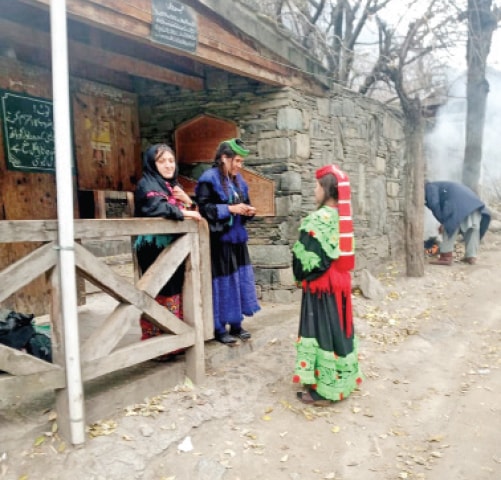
(111, 40)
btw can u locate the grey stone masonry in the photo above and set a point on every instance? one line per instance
(290, 119)
(290, 135)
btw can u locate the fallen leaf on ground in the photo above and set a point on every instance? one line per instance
(101, 428)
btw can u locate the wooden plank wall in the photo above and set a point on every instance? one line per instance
(32, 196)
(25, 195)
(106, 132)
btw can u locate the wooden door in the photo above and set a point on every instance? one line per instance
(107, 142)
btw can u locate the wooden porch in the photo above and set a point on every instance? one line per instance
(103, 352)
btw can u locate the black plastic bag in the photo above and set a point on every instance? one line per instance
(16, 328)
(17, 331)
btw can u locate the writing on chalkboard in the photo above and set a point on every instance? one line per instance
(174, 24)
(28, 131)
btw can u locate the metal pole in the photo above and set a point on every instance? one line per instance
(64, 188)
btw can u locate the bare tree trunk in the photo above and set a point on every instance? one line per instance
(414, 175)
(414, 190)
(481, 24)
(337, 43)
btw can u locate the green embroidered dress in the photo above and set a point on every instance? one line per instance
(327, 355)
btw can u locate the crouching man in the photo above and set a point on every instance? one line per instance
(458, 209)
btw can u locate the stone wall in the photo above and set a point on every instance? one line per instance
(291, 135)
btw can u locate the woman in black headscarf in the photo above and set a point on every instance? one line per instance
(158, 194)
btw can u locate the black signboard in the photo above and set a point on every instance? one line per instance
(28, 132)
(174, 24)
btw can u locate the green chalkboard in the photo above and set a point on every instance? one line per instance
(28, 132)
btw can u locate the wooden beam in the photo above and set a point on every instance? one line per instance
(105, 338)
(136, 353)
(206, 274)
(264, 32)
(97, 56)
(193, 313)
(164, 266)
(26, 269)
(234, 56)
(133, 66)
(114, 227)
(99, 204)
(16, 362)
(12, 231)
(12, 386)
(113, 284)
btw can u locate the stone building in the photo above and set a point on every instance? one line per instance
(232, 65)
(290, 134)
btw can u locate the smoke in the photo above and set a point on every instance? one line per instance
(444, 145)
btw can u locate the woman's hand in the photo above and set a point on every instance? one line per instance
(242, 209)
(181, 195)
(193, 214)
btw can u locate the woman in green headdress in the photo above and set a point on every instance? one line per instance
(223, 198)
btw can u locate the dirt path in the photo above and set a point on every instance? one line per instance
(430, 407)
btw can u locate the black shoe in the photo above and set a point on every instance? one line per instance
(240, 333)
(225, 338)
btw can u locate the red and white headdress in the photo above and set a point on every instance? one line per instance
(346, 240)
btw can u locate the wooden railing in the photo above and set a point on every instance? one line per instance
(99, 353)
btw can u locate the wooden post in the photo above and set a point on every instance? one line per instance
(99, 204)
(206, 279)
(192, 309)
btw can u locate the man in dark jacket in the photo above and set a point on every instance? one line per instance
(458, 209)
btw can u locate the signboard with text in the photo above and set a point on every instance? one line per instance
(174, 24)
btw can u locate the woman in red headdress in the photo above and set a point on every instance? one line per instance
(323, 256)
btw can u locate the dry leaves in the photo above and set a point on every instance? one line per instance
(51, 437)
(391, 328)
(101, 428)
(151, 406)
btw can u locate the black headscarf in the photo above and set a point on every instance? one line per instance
(150, 172)
(151, 181)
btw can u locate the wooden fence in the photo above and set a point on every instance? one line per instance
(99, 354)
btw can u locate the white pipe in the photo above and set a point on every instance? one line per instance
(64, 186)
